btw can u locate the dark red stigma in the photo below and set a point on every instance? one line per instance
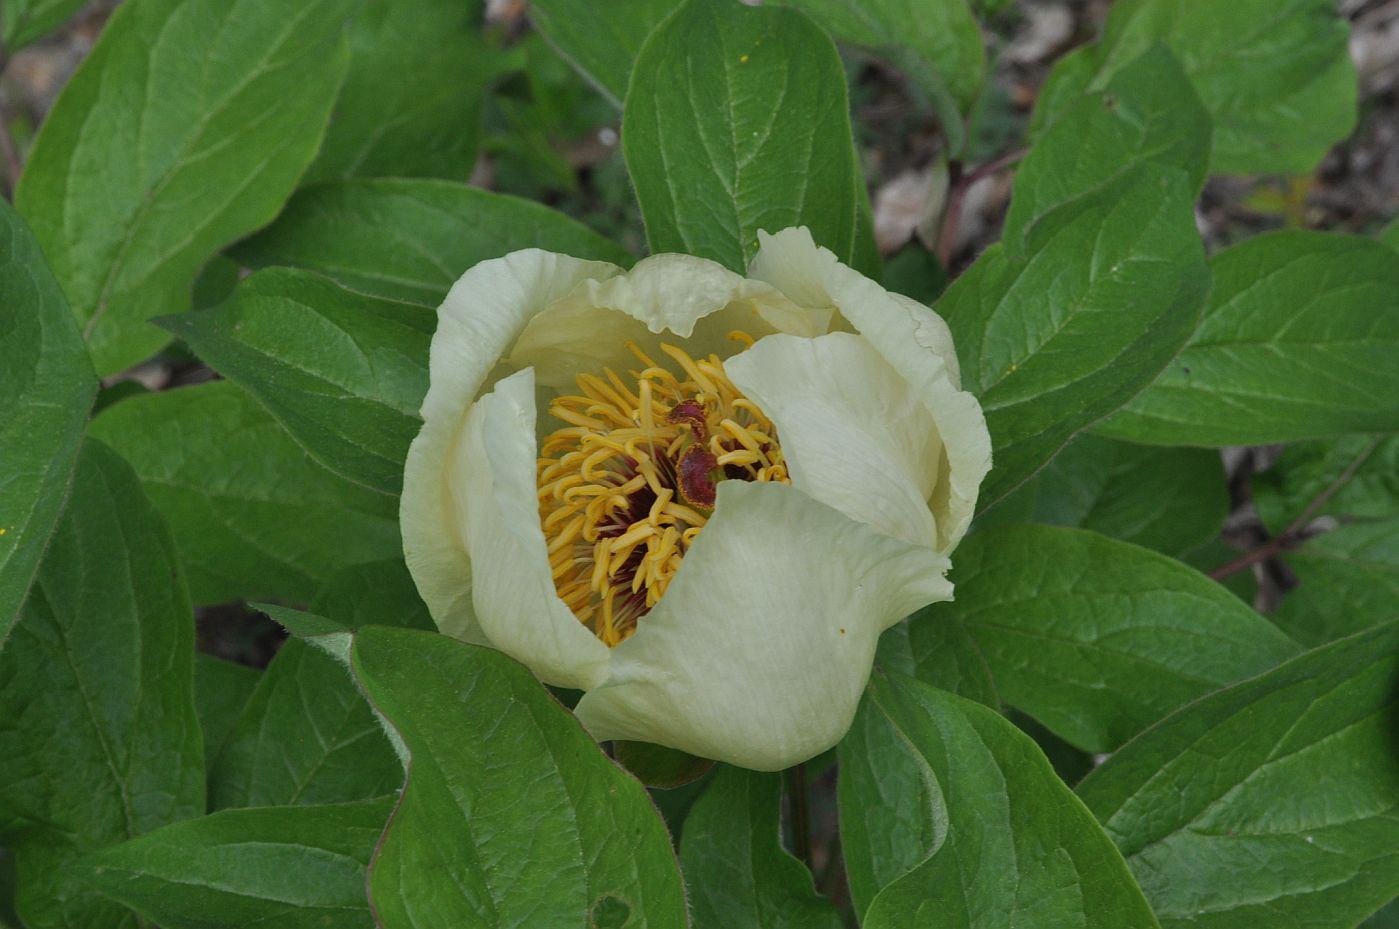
(690, 413)
(695, 475)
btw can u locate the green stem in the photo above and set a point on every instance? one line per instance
(801, 815)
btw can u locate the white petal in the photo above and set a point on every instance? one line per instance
(852, 431)
(662, 297)
(482, 315)
(517, 606)
(758, 652)
(914, 340)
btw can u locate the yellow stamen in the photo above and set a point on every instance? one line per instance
(609, 498)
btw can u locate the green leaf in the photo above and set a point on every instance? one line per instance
(221, 691)
(737, 121)
(252, 515)
(1298, 342)
(284, 868)
(24, 21)
(1358, 475)
(940, 653)
(1194, 804)
(1012, 845)
(1275, 75)
(1346, 580)
(184, 129)
(1389, 235)
(938, 45)
(380, 593)
(602, 45)
(1167, 499)
(99, 740)
(660, 766)
(1147, 114)
(1387, 918)
(305, 737)
(411, 102)
(735, 867)
(46, 391)
(1106, 290)
(411, 239)
(344, 373)
(1098, 639)
(891, 812)
(511, 815)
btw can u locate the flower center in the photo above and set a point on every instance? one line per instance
(627, 484)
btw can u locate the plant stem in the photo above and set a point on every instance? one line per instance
(801, 815)
(1292, 534)
(9, 155)
(960, 185)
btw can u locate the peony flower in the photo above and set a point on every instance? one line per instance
(695, 496)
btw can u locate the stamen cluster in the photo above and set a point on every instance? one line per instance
(626, 485)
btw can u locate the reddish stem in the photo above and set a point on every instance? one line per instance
(961, 184)
(1293, 533)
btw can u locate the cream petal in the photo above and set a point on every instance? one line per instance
(759, 650)
(852, 431)
(663, 297)
(517, 606)
(914, 340)
(484, 313)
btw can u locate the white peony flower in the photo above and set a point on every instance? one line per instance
(695, 496)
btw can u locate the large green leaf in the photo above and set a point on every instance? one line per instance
(938, 45)
(99, 740)
(1275, 75)
(380, 593)
(1168, 499)
(221, 691)
(1084, 312)
(345, 373)
(285, 868)
(1010, 844)
(46, 390)
(602, 43)
(24, 21)
(1147, 113)
(737, 121)
(252, 515)
(939, 653)
(305, 737)
(1272, 803)
(1098, 639)
(891, 811)
(411, 102)
(887, 804)
(1298, 341)
(184, 129)
(511, 815)
(411, 239)
(1389, 235)
(735, 868)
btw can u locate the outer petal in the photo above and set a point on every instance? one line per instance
(516, 603)
(759, 650)
(854, 434)
(914, 340)
(482, 316)
(690, 298)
